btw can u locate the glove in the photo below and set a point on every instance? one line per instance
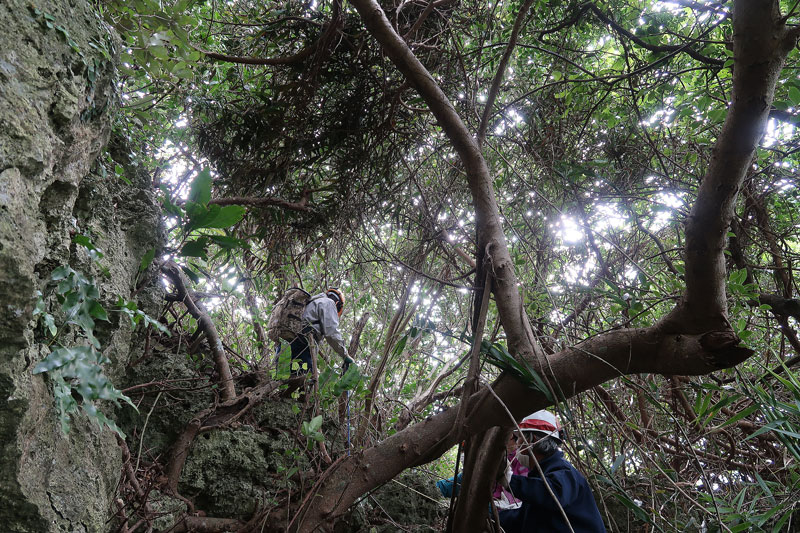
(503, 503)
(347, 362)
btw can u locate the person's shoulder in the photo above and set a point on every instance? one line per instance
(323, 302)
(315, 303)
(318, 299)
(561, 464)
(556, 461)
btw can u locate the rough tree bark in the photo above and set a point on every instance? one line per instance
(481, 463)
(761, 42)
(695, 338)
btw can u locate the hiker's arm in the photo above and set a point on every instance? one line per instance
(532, 489)
(329, 324)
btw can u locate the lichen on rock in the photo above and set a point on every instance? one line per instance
(233, 473)
(56, 120)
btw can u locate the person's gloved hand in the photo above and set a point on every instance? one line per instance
(347, 362)
(503, 503)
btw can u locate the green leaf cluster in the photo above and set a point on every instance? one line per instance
(197, 216)
(76, 371)
(311, 429)
(497, 355)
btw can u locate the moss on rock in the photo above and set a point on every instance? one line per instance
(233, 473)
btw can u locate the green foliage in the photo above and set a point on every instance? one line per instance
(95, 254)
(349, 381)
(197, 217)
(597, 145)
(332, 383)
(200, 190)
(76, 371)
(78, 382)
(284, 362)
(782, 416)
(311, 430)
(136, 315)
(497, 355)
(147, 259)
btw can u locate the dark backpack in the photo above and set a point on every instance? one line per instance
(286, 320)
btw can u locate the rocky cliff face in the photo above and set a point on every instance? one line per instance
(56, 108)
(56, 112)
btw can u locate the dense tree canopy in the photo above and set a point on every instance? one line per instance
(621, 176)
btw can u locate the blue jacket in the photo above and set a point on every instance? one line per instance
(540, 513)
(445, 486)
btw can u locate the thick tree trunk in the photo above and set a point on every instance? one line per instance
(760, 44)
(572, 371)
(481, 464)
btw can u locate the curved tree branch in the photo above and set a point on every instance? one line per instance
(619, 352)
(501, 70)
(285, 60)
(664, 48)
(204, 322)
(761, 43)
(302, 205)
(694, 54)
(213, 417)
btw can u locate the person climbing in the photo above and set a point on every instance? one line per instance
(503, 498)
(539, 510)
(319, 319)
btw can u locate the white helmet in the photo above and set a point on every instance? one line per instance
(542, 422)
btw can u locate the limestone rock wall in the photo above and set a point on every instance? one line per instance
(56, 109)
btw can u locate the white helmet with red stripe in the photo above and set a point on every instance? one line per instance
(542, 422)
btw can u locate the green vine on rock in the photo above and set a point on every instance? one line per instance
(76, 370)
